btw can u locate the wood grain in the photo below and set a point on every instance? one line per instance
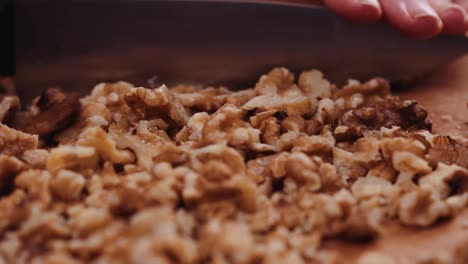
(445, 95)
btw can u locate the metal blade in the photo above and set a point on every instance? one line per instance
(77, 43)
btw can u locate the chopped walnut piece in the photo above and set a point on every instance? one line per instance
(391, 112)
(229, 240)
(9, 168)
(8, 105)
(374, 258)
(109, 94)
(88, 220)
(370, 186)
(420, 208)
(222, 172)
(302, 169)
(410, 164)
(67, 185)
(193, 129)
(445, 179)
(276, 91)
(448, 150)
(348, 164)
(399, 144)
(36, 158)
(91, 115)
(157, 103)
(105, 146)
(36, 184)
(68, 157)
(226, 125)
(344, 133)
(325, 111)
(14, 142)
(314, 85)
(14, 209)
(54, 110)
(293, 123)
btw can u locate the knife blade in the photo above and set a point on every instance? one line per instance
(77, 43)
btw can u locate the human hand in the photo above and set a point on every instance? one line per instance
(415, 18)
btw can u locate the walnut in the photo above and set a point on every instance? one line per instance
(222, 172)
(14, 142)
(344, 133)
(157, 103)
(370, 186)
(228, 240)
(67, 185)
(258, 118)
(8, 105)
(87, 220)
(420, 208)
(226, 125)
(43, 225)
(105, 146)
(314, 144)
(91, 115)
(314, 85)
(445, 179)
(193, 129)
(391, 145)
(303, 170)
(54, 110)
(276, 91)
(375, 257)
(208, 175)
(373, 89)
(207, 99)
(391, 112)
(270, 130)
(348, 164)
(293, 123)
(160, 238)
(110, 94)
(10, 247)
(14, 209)
(410, 164)
(9, 168)
(325, 111)
(74, 158)
(36, 158)
(36, 184)
(448, 150)
(144, 149)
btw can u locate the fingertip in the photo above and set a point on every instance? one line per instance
(455, 20)
(364, 11)
(368, 12)
(426, 26)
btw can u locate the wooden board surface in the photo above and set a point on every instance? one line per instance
(445, 95)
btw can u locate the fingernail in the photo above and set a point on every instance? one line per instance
(453, 11)
(370, 8)
(373, 3)
(428, 19)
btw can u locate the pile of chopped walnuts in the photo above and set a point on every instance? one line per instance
(208, 175)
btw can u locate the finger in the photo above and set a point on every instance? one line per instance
(366, 11)
(453, 16)
(414, 18)
(462, 3)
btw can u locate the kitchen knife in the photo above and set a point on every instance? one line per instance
(77, 43)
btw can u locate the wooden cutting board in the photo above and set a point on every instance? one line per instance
(445, 95)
